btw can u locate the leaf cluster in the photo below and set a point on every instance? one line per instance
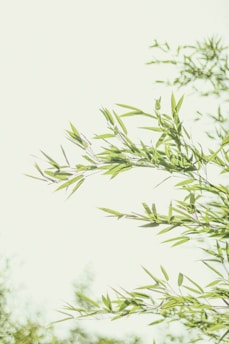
(204, 65)
(200, 215)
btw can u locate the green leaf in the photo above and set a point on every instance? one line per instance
(112, 212)
(76, 187)
(195, 284)
(87, 299)
(180, 279)
(196, 291)
(167, 229)
(65, 156)
(173, 103)
(156, 322)
(178, 106)
(161, 140)
(179, 240)
(74, 130)
(147, 209)
(170, 214)
(213, 269)
(154, 210)
(104, 136)
(120, 122)
(107, 302)
(164, 273)
(129, 107)
(34, 177)
(225, 141)
(52, 162)
(39, 169)
(108, 116)
(58, 175)
(151, 224)
(185, 182)
(150, 274)
(86, 157)
(152, 128)
(213, 283)
(69, 182)
(217, 327)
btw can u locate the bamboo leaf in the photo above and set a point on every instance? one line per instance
(152, 129)
(129, 107)
(108, 116)
(74, 130)
(180, 279)
(213, 269)
(170, 213)
(52, 162)
(65, 156)
(164, 273)
(225, 141)
(156, 322)
(104, 136)
(69, 182)
(167, 229)
(195, 284)
(76, 187)
(185, 182)
(120, 122)
(112, 212)
(173, 103)
(178, 240)
(217, 327)
(178, 106)
(150, 274)
(87, 299)
(213, 283)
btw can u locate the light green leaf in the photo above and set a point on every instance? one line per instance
(112, 212)
(179, 104)
(170, 214)
(225, 141)
(180, 279)
(108, 116)
(104, 136)
(129, 107)
(217, 327)
(147, 209)
(69, 182)
(213, 283)
(52, 162)
(173, 103)
(195, 284)
(185, 182)
(65, 156)
(164, 273)
(167, 229)
(87, 299)
(76, 187)
(156, 322)
(120, 122)
(213, 269)
(74, 130)
(150, 274)
(107, 302)
(152, 128)
(178, 240)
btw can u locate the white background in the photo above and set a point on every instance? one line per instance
(61, 61)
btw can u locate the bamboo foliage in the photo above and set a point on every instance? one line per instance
(201, 215)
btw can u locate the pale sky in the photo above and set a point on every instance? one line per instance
(61, 61)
